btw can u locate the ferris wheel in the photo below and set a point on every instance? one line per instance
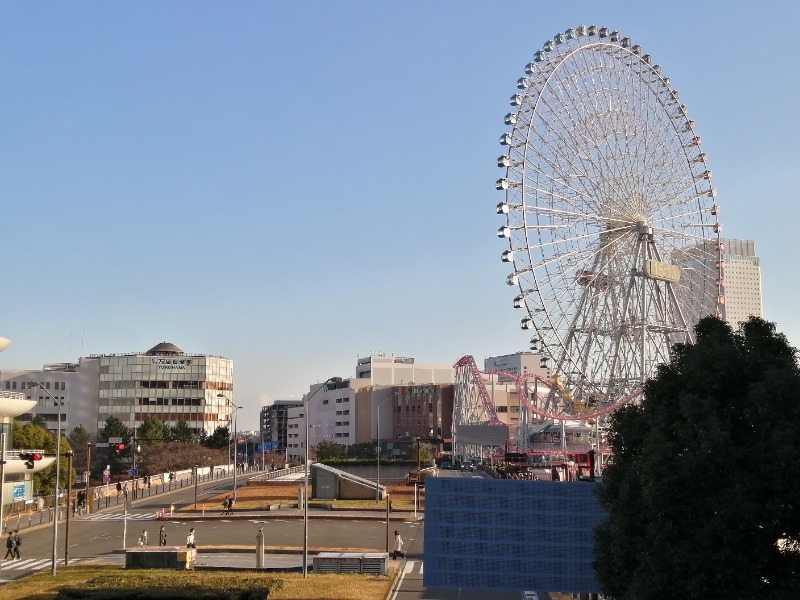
(611, 220)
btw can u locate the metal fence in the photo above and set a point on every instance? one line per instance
(22, 514)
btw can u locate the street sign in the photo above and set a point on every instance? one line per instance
(102, 444)
(106, 472)
(114, 440)
(133, 471)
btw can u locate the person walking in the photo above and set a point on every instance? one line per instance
(17, 544)
(10, 546)
(225, 505)
(143, 538)
(190, 539)
(162, 536)
(398, 545)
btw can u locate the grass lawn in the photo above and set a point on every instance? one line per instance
(119, 583)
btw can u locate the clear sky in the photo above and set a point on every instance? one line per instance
(296, 184)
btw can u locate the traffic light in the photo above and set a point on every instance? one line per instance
(120, 448)
(30, 458)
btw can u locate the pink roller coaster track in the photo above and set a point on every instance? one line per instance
(524, 392)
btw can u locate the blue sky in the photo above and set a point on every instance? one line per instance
(295, 185)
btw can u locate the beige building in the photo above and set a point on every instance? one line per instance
(742, 276)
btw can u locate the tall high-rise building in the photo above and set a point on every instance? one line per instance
(742, 276)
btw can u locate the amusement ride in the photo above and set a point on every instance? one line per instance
(612, 235)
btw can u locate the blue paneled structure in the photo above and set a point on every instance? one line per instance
(512, 534)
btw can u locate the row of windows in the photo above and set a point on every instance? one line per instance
(343, 412)
(169, 401)
(12, 385)
(125, 384)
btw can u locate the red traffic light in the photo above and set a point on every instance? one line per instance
(120, 447)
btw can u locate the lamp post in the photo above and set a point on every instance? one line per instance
(58, 474)
(307, 404)
(232, 417)
(378, 450)
(88, 476)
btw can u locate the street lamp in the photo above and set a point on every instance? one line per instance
(378, 450)
(231, 416)
(58, 472)
(307, 405)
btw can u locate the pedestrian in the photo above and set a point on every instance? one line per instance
(190, 539)
(162, 536)
(17, 544)
(225, 504)
(143, 538)
(10, 546)
(398, 545)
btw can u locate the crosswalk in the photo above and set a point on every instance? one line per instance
(413, 566)
(15, 568)
(119, 516)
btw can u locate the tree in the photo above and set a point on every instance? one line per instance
(79, 439)
(181, 432)
(220, 439)
(118, 461)
(33, 437)
(163, 457)
(151, 430)
(702, 493)
(328, 451)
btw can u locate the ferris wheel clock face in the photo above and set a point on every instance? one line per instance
(610, 217)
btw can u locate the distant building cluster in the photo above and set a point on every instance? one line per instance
(389, 402)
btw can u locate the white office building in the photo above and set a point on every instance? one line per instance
(164, 382)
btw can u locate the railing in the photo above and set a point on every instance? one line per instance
(21, 514)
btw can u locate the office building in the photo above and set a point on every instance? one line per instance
(742, 277)
(164, 383)
(274, 424)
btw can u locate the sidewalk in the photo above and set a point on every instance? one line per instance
(294, 513)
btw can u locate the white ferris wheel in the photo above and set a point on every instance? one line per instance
(611, 222)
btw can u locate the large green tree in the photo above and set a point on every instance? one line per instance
(703, 491)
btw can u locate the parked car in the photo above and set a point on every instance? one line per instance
(445, 465)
